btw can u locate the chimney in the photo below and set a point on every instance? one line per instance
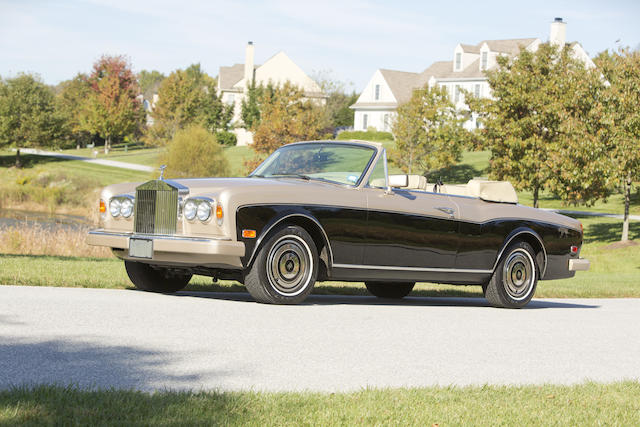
(248, 66)
(557, 35)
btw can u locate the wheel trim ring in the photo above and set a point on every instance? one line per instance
(291, 247)
(518, 275)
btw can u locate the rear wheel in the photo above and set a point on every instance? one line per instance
(285, 268)
(162, 280)
(394, 290)
(515, 279)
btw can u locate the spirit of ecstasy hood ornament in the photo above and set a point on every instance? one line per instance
(162, 168)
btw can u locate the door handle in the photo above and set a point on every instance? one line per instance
(448, 211)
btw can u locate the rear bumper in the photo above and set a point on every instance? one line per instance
(176, 250)
(579, 264)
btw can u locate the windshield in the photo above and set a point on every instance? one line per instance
(335, 162)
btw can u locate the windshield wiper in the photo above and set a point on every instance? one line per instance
(291, 175)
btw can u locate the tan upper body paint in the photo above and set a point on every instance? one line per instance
(234, 193)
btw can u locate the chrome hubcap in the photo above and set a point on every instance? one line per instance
(518, 274)
(289, 265)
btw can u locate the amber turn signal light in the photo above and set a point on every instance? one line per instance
(249, 234)
(103, 207)
(219, 212)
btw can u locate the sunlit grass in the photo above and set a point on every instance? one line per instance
(577, 405)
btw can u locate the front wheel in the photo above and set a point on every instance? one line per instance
(285, 268)
(395, 290)
(162, 280)
(515, 279)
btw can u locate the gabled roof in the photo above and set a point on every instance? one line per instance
(470, 48)
(402, 83)
(510, 46)
(437, 69)
(229, 76)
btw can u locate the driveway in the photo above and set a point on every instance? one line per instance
(131, 339)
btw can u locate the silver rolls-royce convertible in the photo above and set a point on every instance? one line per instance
(327, 210)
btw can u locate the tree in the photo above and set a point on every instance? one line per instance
(621, 71)
(187, 97)
(336, 109)
(147, 80)
(536, 123)
(429, 133)
(71, 106)
(250, 113)
(113, 110)
(194, 152)
(286, 117)
(27, 114)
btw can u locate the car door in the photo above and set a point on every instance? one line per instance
(410, 229)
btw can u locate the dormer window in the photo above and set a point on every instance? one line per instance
(458, 61)
(377, 93)
(484, 60)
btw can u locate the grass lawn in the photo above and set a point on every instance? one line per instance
(584, 404)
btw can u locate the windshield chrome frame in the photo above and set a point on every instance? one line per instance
(365, 171)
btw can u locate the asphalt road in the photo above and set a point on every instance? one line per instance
(130, 339)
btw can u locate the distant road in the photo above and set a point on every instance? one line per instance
(131, 339)
(104, 162)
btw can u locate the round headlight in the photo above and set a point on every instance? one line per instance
(114, 207)
(190, 209)
(126, 208)
(204, 211)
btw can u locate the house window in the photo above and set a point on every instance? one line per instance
(458, 61)
(365, 117)
(386, 122)
(377, 97)
(483, 66)
(457, 93)
(231, 99)
(476, 91)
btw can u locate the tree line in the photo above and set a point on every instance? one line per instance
(552, 124)
(106, 106)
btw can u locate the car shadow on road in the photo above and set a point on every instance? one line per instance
(371, 300)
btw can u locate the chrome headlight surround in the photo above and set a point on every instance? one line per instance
(121, 206)
(198, 207)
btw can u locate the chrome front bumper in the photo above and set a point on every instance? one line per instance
(579, 264)
(178, 249)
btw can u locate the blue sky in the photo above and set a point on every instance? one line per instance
(347, 40)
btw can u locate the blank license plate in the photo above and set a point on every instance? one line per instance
(140, 248)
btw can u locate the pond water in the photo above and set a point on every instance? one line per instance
(13, 217)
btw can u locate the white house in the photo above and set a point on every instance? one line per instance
(376, 107)
(234, 83)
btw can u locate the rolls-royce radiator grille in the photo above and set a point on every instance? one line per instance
(156, 208)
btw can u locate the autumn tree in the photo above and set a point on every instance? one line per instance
(536, 124)
(187, 97)
(250, 112)
(428, 131)
(621, 70)
(27, 114)
(71, 100)
(286, 117)
(112, 109)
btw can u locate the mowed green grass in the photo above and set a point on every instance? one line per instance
(613, 273)
(578, 405)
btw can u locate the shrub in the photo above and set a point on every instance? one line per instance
(228, 139)
(194, 152)
(369, 135)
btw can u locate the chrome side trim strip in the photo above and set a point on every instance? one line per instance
(158, 236)
(421, 269)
